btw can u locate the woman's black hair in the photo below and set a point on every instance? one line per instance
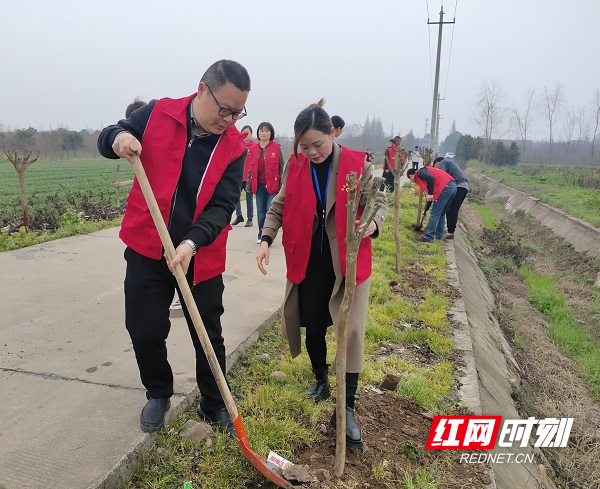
(269, 127)
(313, 117)
(337, 122)
(246, 127)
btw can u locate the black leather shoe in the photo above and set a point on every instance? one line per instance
(320, 390)
(353, 436)
(153, 415)
(238, 220)
(248, 223)
(219, 418)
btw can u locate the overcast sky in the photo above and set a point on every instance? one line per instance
(77, 64)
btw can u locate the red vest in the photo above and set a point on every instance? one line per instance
(272, 152)
(251, 145)
(163, 143)
(441, 180)
(392, 156)
(299, 214)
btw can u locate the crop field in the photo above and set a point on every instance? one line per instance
(45, 178)
(54, 185)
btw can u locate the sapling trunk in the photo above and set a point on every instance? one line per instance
(353, 239)
(398, 171)
(426, 154)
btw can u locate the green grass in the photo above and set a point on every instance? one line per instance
(489, 218)
(22, 239)
(561, 188)
(564, 329)
(279, 417)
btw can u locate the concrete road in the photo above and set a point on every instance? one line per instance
(69, 384)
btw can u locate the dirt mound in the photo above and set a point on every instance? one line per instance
(394, 431)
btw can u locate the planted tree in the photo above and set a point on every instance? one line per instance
(401, 164)
(353, 239)
(427, 156)
(21, 163)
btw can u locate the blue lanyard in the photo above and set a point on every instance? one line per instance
(322, 199)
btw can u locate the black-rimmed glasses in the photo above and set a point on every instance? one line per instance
(224, 112)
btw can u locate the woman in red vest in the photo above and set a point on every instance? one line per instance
(265, 171)
(311, 209)
(247, 131)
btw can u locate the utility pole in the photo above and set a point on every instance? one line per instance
(435, 109)
(426, 121)
(437, 123)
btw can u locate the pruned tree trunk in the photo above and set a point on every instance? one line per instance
(353, 239)
(427, 155)
(398, 171)
(21, 164)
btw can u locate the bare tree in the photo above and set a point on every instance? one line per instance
(21, 163)
(582, 128)
(569, 129)
(490, 113)
(551, 102)
(596, 118)
(523, 119)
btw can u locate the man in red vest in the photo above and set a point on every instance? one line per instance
(194, 157)
(440, 189)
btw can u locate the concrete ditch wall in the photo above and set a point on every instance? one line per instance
(584, 237)
(485, 380)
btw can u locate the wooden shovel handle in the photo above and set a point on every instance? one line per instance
(184, 287)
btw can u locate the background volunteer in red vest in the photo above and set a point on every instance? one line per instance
(440, 189)
(389, 164)
(194, 157)
(311, 210)
(239, 217)
(265, 171)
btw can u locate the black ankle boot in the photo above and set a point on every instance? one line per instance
(320, 390)
(353, 436)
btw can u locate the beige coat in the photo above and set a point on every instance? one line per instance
(290, 324)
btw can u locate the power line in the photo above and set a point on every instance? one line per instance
(450, 53)
(429, 34)
(435, 105)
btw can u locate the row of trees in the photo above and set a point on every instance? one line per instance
(570, 133)
(496, 152)
(58, 143)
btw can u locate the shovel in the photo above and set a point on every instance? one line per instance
(419, 226)
(242, 439)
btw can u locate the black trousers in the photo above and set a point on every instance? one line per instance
(454, 207)
(149, 288)
(388, 181)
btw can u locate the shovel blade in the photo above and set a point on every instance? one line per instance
(254, 458)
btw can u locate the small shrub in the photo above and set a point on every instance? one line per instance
(502, 241)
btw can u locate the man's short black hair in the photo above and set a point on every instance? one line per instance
(338, 122)
(438, 159)
(411, 171)
(226, 71)
(136, 104)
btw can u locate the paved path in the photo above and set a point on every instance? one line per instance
(70, 394)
